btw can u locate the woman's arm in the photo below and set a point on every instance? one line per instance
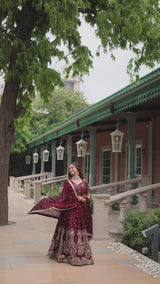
(88, 191)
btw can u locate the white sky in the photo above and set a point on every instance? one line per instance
(107, 76)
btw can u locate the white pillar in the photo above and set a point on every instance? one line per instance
(37, 191)
(27, 188)
(11, 183)
(100, 217)
(16, 185)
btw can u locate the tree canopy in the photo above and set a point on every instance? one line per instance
(32, 32)
(44, 117)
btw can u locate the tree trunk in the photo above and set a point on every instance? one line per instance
(4, 165)
(7, 112)
(25, 25)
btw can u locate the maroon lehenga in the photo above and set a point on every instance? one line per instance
(70, 241)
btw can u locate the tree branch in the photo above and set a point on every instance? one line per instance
(88, 11)
(19, 110)
(10, 37)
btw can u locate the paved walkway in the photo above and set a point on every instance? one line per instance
(24, 245)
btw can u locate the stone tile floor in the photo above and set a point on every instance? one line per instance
(24, 245)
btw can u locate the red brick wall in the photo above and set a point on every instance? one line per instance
(156, 147)
(103, 139)
(142, 134)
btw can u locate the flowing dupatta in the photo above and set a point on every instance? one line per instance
(52, 207)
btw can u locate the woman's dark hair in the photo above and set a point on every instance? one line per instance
(77, 166)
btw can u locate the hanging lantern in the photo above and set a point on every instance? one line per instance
(117, 138)
(81, 147)
(35, 158)
(45, 155)
(60, 152)
(28, 159)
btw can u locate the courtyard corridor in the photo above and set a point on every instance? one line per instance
(25, 242)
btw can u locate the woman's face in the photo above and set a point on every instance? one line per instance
(73, 170)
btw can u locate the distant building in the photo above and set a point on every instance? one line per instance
(71, 84)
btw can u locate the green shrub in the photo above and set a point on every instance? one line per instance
(91, 199)
(91, 203)
(135, 223)
(55, 191)
(155, 216)
(44, 189)
(32, 192)
(116, 206)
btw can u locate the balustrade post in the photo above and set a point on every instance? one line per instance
(16, 185)
(143, 201)
(121, 218)
(11, 183)
(37, 191)
(27, 188)
(21, 185)
(100, 217)
(129, 186)
(110, 192)
(129, 202)
(49, 175)
(140, 183)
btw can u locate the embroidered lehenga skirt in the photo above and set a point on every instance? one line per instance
(70, 241)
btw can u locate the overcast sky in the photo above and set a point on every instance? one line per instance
(107, 76)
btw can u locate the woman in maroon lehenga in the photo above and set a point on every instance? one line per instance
(70, 242)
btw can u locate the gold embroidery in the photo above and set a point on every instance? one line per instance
(71, 248)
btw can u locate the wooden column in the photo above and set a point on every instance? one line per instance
(131, 144)
(69, 150)
(92, 175)
(42, 162)
(53, 150)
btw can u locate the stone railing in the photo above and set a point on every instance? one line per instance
(111, 187)
(40, 183)
(59, 179)
(25, 183)
(102, 208)
(100, 219)
(18, 183)
(102, 202)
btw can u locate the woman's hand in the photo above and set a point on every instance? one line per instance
(81, 198)
(88, 196)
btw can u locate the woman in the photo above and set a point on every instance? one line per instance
(70, 242)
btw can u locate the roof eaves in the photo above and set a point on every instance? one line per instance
(155, 75)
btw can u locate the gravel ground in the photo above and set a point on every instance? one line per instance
(149, 266)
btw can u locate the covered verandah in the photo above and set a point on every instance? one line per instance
(135, 110)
